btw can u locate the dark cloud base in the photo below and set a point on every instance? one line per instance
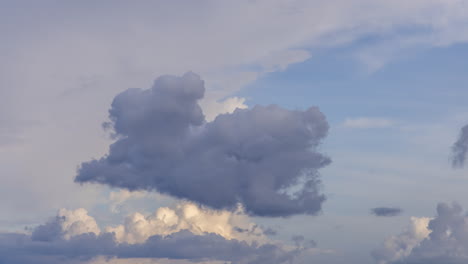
(24, 249)
(265, 158)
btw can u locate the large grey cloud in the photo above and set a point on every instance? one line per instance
(460, 148)
(265, 158)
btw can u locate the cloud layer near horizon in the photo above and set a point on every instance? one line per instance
(186, 232)
(265, 158)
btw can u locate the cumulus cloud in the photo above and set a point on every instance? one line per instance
(399, 246)
(66, 224)
(265, 158)
(137, 227)
(460, 148)
(186, 232)
(386, 211)
(444, 241)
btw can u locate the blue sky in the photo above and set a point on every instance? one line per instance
(422, 90)
(389, 77)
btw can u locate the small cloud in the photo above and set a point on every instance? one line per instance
(365, 122)
(298, 239)
(386, 211)
(460, 148)
(270, 232)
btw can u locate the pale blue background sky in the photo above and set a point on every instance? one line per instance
(422, 91)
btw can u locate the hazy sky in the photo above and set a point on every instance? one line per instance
(247, 132)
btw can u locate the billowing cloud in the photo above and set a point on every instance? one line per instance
(386, 211)
(66, 224)
(264, 158)
(460, 148)
(399, 246)
(138, 227)
(187, 232)
(444, 241)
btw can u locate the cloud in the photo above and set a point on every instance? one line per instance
(73, 237)
(399, 246)
(66, 224)
(280, 61)
(264, 158)
(270, 232)
(123, 44)
(444, 241)
(104, 260)
(386, 211)
(365, 122)
(214, 108)
(460, 148)
(19, 248)
(138, 227)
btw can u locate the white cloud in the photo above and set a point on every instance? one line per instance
(212, 108)
(400, 246)
(138, 227)
(77, 222)
(186, 216)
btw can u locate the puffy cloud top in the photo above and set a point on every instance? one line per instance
(443, 239)
(400, 246)
(137, 227)
(264, 158)
(66, 224)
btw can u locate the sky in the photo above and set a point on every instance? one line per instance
(242, 132)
